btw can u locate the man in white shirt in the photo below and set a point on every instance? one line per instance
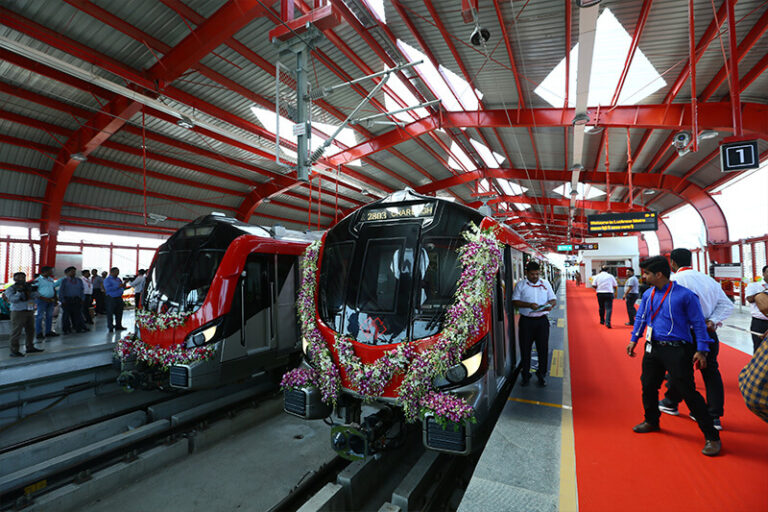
(717, 307)
(534, 298)
(87, 296)
(606, 287)
(631, 293)
(138, 286)
(759, 320)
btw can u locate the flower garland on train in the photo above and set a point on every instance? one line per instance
(480, 258)
(132, 346)
(160, 321)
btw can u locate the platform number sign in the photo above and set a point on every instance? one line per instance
(739, 156)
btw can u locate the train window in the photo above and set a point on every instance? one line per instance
(385, 261)
(437, 277)
(181, 279)
(337, 259)
(200, 277)
(256, 284)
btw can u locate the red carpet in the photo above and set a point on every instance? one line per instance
(618, 470)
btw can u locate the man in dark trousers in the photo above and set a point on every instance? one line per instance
(98, 291)
(606, 287)
(631, 293)
(671, 312)
(71, 295)
(113, 289)
(535, 299)
(716, 307)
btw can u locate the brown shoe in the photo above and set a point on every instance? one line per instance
(711, 448)
(645, 427)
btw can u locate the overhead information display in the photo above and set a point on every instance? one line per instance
(585, 247)
(565, 247)
(617, 222)
(399, 212)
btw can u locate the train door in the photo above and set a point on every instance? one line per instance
(258, 294)
(284, 314)
(499, 328)
(509, 310)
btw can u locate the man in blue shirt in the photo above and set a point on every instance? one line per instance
(71, 295)
(45, 302)
(113, 290)
(671, 312)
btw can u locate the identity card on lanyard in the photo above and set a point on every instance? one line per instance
(649, 334)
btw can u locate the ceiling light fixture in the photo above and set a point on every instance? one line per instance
(580, 119)
(186, 123)
(79, 157)
(708, 134)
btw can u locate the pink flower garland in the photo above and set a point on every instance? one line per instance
(480, 259)
(132, 346)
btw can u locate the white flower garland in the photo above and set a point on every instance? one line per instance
(480, 260)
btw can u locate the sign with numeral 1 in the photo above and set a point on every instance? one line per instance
(739, 156)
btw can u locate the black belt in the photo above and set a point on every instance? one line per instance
(668, 343)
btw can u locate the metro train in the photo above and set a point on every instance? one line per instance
(386, 278)
(219, 306)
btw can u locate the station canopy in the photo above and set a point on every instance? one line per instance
(144, 115)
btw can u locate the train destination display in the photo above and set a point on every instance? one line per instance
(400, 212)
(617, 222)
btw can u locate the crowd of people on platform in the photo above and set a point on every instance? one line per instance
(682, 310)
(34, 305)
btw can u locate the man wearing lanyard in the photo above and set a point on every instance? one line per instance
(606, 287)
(535, 299)
(759, 320)
(631, 289)
(671, 312)
(716, 307)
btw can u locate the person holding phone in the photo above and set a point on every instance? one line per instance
(671, 313)
(534, 297)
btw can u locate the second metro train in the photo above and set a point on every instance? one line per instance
(219, 306)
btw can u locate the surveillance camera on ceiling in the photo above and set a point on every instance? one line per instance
(681, 140)
(479, 36)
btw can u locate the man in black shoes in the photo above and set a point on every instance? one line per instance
(716, 307)
(671, 312)
(21, 295)
(535, 299)
(606, 287)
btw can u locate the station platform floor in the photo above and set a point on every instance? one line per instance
(570, 446)
(64, 353)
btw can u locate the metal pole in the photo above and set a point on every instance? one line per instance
(302, 115)
(692, 62)
(733, 67)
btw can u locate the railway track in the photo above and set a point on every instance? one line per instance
(68, 466)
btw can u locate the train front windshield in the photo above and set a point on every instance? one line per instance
(389, 282)
(185, 266)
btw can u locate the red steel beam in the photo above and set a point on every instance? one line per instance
(61, 42)
(744, 47)
(716, 116)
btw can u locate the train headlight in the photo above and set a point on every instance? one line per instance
(469, 366)
(203, 335)
(456, 373)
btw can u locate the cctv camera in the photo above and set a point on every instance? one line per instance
(479, 36)
(682, 140)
